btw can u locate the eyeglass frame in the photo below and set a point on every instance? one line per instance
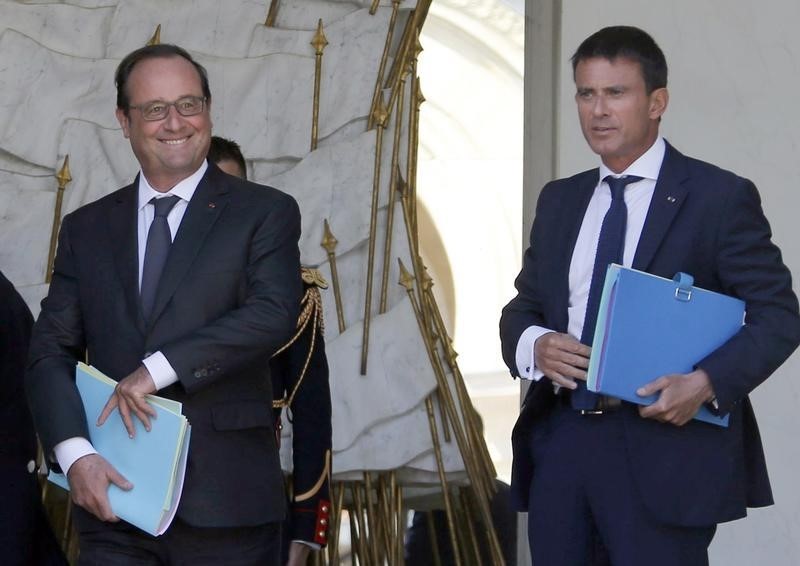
(141, 107)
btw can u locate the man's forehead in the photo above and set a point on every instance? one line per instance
(608, 70)
(155, 71)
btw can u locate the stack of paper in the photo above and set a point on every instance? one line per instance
(649, 326)
(154, 462)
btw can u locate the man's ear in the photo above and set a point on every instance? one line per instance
(659, 99)
(123, 120)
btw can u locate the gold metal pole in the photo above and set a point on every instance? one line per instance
(272, 13)
(373, 521)
(473, 535)
(329, 242)
(155, 39)
(318, 42)
(338, 509)
(384, 57)
(374, 7)
(446, 399)
(413, 25)
(363, 540)
(63, 177)
(393, 182)
(380, 120)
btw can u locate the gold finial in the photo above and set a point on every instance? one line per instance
(63, 176)
(329, 242)
(380, 114)
(420, 97)
(417, 46)
(156, 38)
(319, 42)
(401, 186)
(406, 279)
(427, 280)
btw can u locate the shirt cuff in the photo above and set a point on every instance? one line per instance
(160, 370)
(69, 450)
(526, 361)
(312, 545)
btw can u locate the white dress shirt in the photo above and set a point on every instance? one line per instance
(161, 371)
(637, 200)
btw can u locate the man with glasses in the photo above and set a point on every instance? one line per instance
(183, 283)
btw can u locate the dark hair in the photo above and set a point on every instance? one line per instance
(160, 50)
(630, 43)
(222, 149)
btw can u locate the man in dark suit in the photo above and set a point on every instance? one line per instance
(25, 535)
(608, 480)
(200, 329)
(300, 386)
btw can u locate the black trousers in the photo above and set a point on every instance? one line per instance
(182, 544)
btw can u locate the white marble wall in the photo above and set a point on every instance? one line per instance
(733, 79)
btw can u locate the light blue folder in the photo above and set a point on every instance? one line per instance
(154, 462)
(649, 326)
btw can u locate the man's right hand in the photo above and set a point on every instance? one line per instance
(561, 358)
(89, 478)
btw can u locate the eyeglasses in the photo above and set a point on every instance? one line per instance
(158, 109)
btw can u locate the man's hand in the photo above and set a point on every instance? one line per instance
(681, 395)
(298, 554)
(89, 478)
(562, 358)
(129, 397)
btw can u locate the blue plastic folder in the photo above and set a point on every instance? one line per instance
(649, 326)
(154, 462)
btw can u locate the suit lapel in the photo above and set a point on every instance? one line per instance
(668, 197)
(122, 225)
(207, 203)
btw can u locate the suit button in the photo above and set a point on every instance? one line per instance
(31, 466)
(197, 374)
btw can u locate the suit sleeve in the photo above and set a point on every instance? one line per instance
(266, 318)
(526, 308)
(57, 343)
(302, 372)
(749, 266)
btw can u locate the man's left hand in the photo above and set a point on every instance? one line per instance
(129, 398)
(681, 395)
(298, 554)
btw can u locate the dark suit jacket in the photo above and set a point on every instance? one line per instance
(706, 222)
(227, 300)
(25, 535)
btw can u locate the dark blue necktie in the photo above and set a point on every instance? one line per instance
(155, 253)
(610, 247)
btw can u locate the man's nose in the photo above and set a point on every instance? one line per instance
(600, 107)
(173, 119)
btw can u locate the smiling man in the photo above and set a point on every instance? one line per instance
(182, 283)
(605, 481)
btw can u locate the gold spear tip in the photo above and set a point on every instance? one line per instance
(401, 186)
(451, 352)
(406, 279)
(420, 96)
(319, 41)
(417, 46)
(427, 280)
(380, 114)
(64, 176)
(156, 37)
(328, 242)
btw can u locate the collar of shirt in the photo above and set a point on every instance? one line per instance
(647, 166)
(185, 189)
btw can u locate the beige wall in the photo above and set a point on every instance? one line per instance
(734, 75)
